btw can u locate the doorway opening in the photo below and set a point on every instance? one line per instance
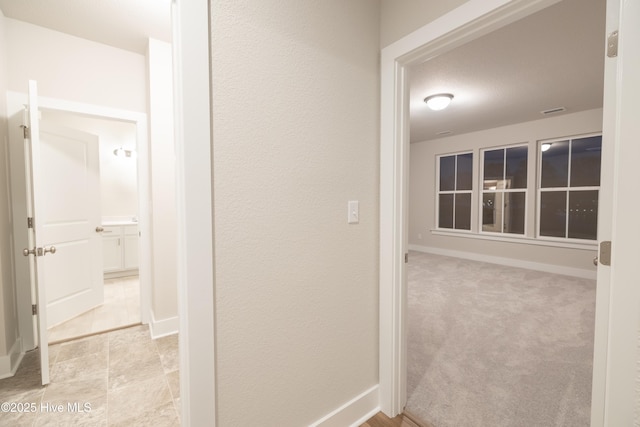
(84, 116)
(489, 302)
(469, 22)
(119, 227)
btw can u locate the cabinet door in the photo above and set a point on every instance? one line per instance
(112, 252)
(130, 248)
(130, 251)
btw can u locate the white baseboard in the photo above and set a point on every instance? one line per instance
(121, 273)
(163, 327)
(353, 413)
(9, 363)
(511, 262)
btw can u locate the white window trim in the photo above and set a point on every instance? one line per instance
(527, 237)
(482, 191)
(539, 190)
(556, 242)
(454, 192)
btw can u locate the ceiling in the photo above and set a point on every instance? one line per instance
(125, 24)
(553, 58)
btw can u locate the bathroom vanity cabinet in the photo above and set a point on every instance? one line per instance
(120, 249)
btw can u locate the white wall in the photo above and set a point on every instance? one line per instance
(163, 188)
(118, 175)
(75, 69)
(401, 17)
(423, 182)
(295, 136)
(8, 315)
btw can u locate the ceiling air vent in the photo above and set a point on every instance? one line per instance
(553, 111)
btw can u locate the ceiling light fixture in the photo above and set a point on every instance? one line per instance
(545, 146)
(439, 101)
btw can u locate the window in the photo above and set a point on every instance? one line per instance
(569, 187)
(455, 177)
(504, 191)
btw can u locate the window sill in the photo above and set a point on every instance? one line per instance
(585, 246)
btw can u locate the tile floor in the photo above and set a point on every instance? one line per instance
(125, 377)
(121, 308)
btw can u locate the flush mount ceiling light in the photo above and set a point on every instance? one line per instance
(439, 101)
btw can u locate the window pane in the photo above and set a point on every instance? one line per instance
(445, 214)
(491, 211)
(555, 162)
(516, 172)
(585, 161)
(463, 211)
(493, 169)
(583, 214)
(514, 208)
(465, 171)
(553, 213)
(447, 173)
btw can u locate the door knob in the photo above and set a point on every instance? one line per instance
(39, 251)
(27, 252)
(99, 229)
(595, 261)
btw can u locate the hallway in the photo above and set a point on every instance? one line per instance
(120, 378)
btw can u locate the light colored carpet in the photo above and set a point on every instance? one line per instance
(495, 346)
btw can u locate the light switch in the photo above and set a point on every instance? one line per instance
(353, 214)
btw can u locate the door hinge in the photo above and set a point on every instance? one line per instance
(605, 253)
(406, 258)
(34, 309)
(29, 222)
(25, 132)
(612, 45)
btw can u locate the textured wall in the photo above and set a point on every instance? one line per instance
(423, 178)
(401, 17)
(295, 122)
(8, 315)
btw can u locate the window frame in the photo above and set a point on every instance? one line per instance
(454, 192)
(567, 190)
(482, 191)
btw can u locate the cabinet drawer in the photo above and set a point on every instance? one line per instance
(130, 230)
(111, 230)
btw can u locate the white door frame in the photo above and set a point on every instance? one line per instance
(469, 21)
(15, 104)
(194, 198)
(621, 312)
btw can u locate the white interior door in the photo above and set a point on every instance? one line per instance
(67, 212)
(65, 204)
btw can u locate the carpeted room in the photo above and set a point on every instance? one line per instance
(503, 203)
(491, 345)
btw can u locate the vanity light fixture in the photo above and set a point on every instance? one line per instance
(121, 152)
(439, 101)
